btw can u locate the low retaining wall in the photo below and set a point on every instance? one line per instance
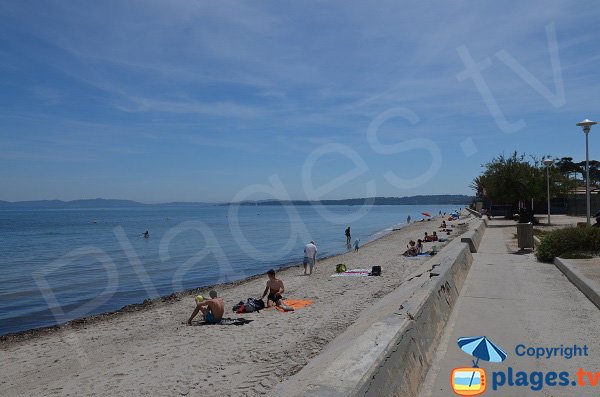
(387, 352)
(473, 212)
(579, 280)
(474, 235)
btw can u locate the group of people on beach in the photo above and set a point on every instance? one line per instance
(213, 308)
(415, 248)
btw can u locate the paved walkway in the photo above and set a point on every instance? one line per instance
(513, 299)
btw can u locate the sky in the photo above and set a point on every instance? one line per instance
(161, 101)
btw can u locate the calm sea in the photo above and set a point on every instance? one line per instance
(57, 265)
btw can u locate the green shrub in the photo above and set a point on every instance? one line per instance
(570, 241)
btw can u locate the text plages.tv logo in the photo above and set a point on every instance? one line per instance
(467, 381)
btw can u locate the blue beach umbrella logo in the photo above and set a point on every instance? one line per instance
(481, 348)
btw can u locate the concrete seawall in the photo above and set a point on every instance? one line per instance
(388, 350)
(473, 212)
(474, 235)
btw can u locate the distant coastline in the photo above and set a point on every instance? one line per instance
(441, 199)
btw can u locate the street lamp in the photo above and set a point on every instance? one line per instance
(586, 125)
(548, 163)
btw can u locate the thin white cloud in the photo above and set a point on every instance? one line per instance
(219, 109)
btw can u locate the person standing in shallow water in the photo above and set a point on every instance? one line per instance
(348, 236)
(408, 219)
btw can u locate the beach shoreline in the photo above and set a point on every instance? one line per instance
(149, 348)
(148, 303)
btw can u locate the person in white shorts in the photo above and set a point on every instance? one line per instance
(310, 256)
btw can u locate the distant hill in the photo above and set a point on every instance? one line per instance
(454, 199)
(87, 203)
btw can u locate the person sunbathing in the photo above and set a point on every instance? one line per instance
(427, 238)
(212, 309)
(419, 246)
(274, 288)
(443, 225)
(434, 237)
(412, 249)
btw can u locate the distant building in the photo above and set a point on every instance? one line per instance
(576, 201)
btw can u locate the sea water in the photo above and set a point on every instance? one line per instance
(57, 265)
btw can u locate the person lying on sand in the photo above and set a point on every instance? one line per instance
(212, 309)
(274, 288)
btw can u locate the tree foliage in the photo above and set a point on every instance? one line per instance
(510, 179)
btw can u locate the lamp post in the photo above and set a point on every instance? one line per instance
(586, 125)
(548, 163)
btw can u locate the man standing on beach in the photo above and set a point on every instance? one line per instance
(212, 308)
(310, 256)
(348, 236)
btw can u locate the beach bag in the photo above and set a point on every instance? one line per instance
(375, 271)
(237, 306)
(249, 306)
(259, 304)
(340, 268)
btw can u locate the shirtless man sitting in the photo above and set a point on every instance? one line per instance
(212, 309)
(274, 288)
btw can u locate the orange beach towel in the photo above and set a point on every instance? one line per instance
(295, 303)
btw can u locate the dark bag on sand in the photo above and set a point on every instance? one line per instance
(375, 271)
(259, 304)
(249, 305)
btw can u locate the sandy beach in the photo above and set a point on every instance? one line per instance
(153, 352)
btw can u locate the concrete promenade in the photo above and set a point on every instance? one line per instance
(514, 300)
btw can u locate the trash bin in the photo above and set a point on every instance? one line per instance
(525, 235)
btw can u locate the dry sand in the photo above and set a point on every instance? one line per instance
(151, 352)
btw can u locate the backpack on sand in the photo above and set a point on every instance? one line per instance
(259, 304)
(375, 271)
(340, 268)
(250, 306)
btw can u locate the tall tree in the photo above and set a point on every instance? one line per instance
(568, 168)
